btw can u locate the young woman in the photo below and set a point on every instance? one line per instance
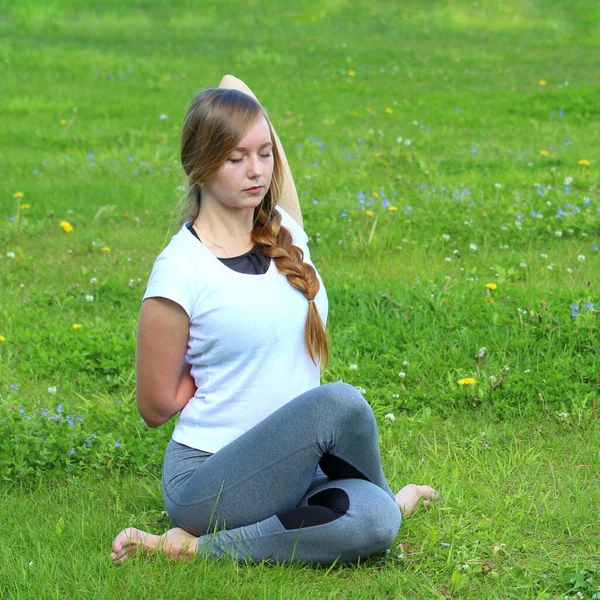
(264, 462)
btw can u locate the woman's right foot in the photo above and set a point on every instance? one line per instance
(409, 496)
(176, 543)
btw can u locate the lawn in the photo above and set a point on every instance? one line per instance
(446, 158)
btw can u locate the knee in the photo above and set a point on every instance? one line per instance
(383, 530)
(345, 399)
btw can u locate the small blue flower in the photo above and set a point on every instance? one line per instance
(519, 217)
(130, 159)
(299, 145)
(71, 422)
(361, 195)
(117, 444)
(22, 410)
(344, 214)
(94, 436)
(60, 408)
(80, 419)
(44, 412)
(574, 306)
(315, 201)
(90, 155)
(13, 386)
(589, 305)
(473, 150)
(36, 172)
(72, 451)
(568, 189)
(54, 417)
(87, 442)
(574, 313)
(28, 418)
(561, 113)
(385, 203)
(11, 218)
(586, 201)
(315, 163)
(594, 248)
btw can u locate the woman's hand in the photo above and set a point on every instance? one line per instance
(289, 200)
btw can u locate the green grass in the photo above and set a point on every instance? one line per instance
(84, 86)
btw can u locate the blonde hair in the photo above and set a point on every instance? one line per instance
(214, 124)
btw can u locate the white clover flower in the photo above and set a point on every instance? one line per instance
(492, 378)
(569, 270)
(399, 140)
(448, 259)
(407, 142)
(353, 367)
(549, 267)
(522, 265)
(162, 116)
(498, 186)
(580, 258)
(445, 237)
(89, 298)
(402, 374)
(52, 389)
(93, 281)
(390, 417)
(568, 180)
(31, 563)
(518, 225)
(558, 233)
(482, 352)
(472, 247)
(361, 390)
(405, 363)
(544, 255)
(10, 255)
(395, 395)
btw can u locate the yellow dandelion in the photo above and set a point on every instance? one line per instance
(18, 195)
(378, 154)
(66, 226)
(466, 381)
(351, 73)
(369, 213)
(63, 121)
(389, 110)
(126, 214)
(24, 206)
(368, 109)
(544, 153)
(354, 113)
(375, 195)
(2, 338)
(76, 326)
(491, 286)
(585, 162)
(542, 82)
(105, 249)
(393, 208)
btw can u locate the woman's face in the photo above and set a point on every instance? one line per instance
(244, 178)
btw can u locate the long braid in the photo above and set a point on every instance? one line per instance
(275, 242)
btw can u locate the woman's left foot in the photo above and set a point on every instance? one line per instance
(409, 496)
(177, 543)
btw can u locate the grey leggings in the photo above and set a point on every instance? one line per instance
(320, 450)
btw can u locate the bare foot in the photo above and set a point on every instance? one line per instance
(177, 543)
(408, 497)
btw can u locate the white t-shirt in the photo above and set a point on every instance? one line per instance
(246, 342)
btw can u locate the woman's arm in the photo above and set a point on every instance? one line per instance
(289, 200)
(164, 385)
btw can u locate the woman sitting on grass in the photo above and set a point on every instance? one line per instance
(264, 462)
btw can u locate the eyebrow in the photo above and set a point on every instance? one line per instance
(242, 149)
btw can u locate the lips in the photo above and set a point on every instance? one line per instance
(256, 188)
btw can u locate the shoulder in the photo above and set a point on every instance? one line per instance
(290, 223)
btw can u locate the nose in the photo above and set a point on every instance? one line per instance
(254, 167)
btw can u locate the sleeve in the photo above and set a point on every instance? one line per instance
(290, 223)
(171, 278)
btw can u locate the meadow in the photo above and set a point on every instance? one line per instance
(446, 158)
